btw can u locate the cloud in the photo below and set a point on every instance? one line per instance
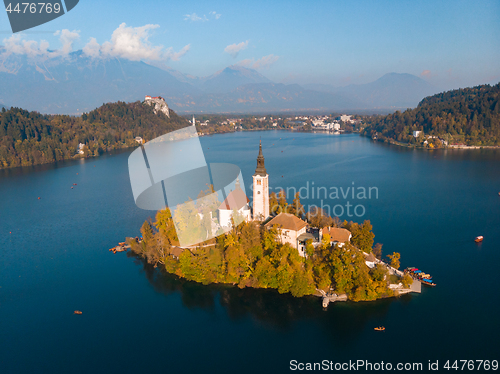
(215, 14)
(426, 73)
(92, 48)
(265, 62)
(262, 63)
(67, 38)
(18, 45)
(234, 49)
(194, 17)
(175, 56)
(132, 43)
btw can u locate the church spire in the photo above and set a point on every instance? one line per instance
(261, 169)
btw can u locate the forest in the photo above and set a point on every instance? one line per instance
(469, 116)
(253, 256)
(30, 138)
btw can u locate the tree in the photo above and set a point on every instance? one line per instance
(297, 207)
(273, 202)
(395, 259)
(377, 251)
(282, 202)
(318, 217)
(407, 280)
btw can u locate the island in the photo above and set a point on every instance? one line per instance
(277, 246)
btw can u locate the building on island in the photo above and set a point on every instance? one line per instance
(370, 260)
(416, 134)
(337, 235)
(235, 201)
(290, 228)
(260, 189)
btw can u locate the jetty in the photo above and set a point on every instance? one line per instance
(328, 298)
(121, 247)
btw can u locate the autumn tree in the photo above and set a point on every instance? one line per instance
(395, 259)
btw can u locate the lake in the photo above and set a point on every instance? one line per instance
(430, 206)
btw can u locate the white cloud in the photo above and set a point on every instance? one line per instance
(234, 49)
(194, 17)
(215, 14)
(17, 44)
(265, 62)
(67, 38)
(132, 43)
(175, 56)
(261, 63)
(92, 48)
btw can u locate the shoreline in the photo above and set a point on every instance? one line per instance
(406, 145)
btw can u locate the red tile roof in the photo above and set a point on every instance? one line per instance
(337, 234)
(287, 221)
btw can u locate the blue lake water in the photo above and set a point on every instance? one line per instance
(54, 259)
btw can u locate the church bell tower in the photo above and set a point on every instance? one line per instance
(260, 189)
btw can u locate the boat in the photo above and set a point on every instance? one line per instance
(380, 328)
(479, 239)
(77, 312)
(420, 276)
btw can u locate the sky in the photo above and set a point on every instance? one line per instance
(449, 43)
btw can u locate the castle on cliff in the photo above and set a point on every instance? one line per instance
(159, 104)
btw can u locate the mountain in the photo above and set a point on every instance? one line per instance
(392, 90)
(77, 83)
(230, 78)
(266, 97)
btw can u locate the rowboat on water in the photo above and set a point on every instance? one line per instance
(380, 328)
(479, 239)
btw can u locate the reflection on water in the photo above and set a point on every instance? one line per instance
(346, 320)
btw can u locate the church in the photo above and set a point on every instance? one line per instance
(292, 229)
(238, 201)
(260, 189)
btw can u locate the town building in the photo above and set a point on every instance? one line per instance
(345, 118)
(337, 235)
(80, 149)
(416, 134)
(290, 228)
(260, 189)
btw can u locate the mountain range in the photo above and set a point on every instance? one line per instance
(76, 83)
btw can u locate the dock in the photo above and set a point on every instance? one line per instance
(328, 298)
